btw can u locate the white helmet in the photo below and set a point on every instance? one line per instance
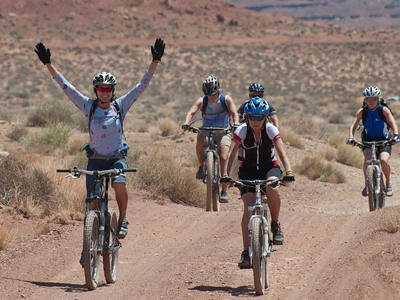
(372, 91)
(104, 78)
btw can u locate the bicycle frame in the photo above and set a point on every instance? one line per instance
(376, 194)
(210, 146)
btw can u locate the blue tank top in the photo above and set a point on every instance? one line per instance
(215, 114)
(374, 126)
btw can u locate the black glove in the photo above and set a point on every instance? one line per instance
(43, 53)
(350, 141)
(289, 176)
(158, 50)
(185, 126)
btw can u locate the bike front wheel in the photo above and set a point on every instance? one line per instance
(372, 183)
(111, 247)
(91, 258)
(215, 191)
(260, 266)
(210, 175)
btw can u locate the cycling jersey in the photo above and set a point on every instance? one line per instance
(374, 126)
(216, 115)
(257, 155)
(106, 136)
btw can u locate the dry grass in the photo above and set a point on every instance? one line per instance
(390, 221)
(161, 176)
(7, 235)
(168, 127)
(315, 168)
(350, 156)
(292, 139)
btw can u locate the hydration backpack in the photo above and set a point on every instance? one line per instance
(113, 103)
(221, 96)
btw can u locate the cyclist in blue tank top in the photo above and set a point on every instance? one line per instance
(216, 108)
(375, 129)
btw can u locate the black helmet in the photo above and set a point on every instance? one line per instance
(256, 87)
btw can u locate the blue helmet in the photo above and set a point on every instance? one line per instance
(256, 106)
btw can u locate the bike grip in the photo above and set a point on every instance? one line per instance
(63, 170)
(225, 179)
(288, 178)
(130, 170)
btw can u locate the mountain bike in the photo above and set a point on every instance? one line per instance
(211, 165)
(375, 179)
(260, 241)
(100, 227)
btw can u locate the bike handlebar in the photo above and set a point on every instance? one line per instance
(370, 143)
(112, 172)
(209, 129)
(269, 182)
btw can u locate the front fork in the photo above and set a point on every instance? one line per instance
(266, 245)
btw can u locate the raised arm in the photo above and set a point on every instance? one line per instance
(44, 55)
(157, 51)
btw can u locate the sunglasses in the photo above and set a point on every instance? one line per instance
(256, 118)
(105, 89)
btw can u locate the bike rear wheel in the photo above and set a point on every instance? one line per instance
(215, 192)
(111, 247)
(260, 266)
(91, 258)
(210, 175)
(372, 183)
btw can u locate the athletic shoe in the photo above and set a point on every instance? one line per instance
(389, 190)
(122, 229)
(365, 191)
(199, 174)
(277, 233)
(81, 259)
(224, 198)
(244, 262)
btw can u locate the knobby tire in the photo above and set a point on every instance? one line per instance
(210, 175)
(371, 182)
(91, 259)
(382, 193)
(111, 247)
(259, 262)
(215, 191)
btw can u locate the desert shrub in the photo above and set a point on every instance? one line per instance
(7, 235)
(338, 139)
(17, 133)
(52, 112)
(350, 156)
(328, 154)
(25, 188)
(337, 118)
(390, 222)
(158, 174)
(315, 168)
(167, 127)
(54, 135)
(291, 138)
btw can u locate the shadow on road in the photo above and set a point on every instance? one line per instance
(234, 291)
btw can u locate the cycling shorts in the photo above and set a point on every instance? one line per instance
(275, 171)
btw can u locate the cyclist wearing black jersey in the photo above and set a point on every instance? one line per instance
(259, 140)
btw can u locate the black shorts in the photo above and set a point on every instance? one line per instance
(262, 174)
(387, 148)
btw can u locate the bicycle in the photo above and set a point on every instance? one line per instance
(211, 165)
(375, 179)
(100, 227)
(260, 241)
